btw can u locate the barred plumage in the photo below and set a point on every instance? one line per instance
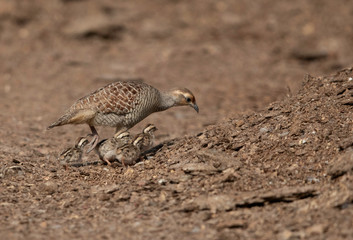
(147, 137)
(106, 149)
(122, 105)
(128, 154)
(73, 154)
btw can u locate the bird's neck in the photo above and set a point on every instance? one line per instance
(167, 100)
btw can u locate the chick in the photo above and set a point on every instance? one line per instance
(129, 153)
(106, 149)
(73, 154)
(148, 137)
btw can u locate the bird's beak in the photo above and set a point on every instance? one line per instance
(194, 106)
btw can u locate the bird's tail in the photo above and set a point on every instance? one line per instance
(61, 121)
(55, 124)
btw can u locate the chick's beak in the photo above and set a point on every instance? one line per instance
(194, 106)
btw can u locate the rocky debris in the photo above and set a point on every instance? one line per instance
(286, 194)
(221, 203)
(234, 223)
(214, 203)
(199, 168)
(343, 165)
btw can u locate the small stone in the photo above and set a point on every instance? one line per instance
(189, 207)
(129, 172)
(48, 187)
(162, 181)
(342, 165)
(162, 196)
(196, 168)
(142, 183)
(293, 167)
(234, 223)
(104, 196)
(230, 175)
(283, 134)
(315, 230)
(111, 189)
(300, 152)
(38, 153)
(238, 123)
(286, 234)
(264, 130)
(312, 180)
(204, 215)
(43, 224)
(216, 203)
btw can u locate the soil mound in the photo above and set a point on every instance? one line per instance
(281, 173)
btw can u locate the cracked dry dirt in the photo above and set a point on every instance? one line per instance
(268, 157)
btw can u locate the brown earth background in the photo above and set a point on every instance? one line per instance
(268, 156)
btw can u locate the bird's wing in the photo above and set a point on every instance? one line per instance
(119, 98)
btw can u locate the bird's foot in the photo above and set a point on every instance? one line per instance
(107, 161)
(123, 162)
(93, 143)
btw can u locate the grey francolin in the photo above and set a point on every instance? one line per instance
(73, 154)
(106, 149)
(147, 137)
(121, 105)
(130, 153)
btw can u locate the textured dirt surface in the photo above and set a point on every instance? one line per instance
(268, 157)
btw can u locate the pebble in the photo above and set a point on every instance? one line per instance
(194, 168)
(264, 130)
(48, 187)
(162, 181)
(312, 180)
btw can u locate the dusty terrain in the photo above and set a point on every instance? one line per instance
(268, 157)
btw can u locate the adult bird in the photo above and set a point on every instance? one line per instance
(122, 104)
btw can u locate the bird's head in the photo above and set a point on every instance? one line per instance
(138, 141)
(184, 97)
(81, 142)
(150, 128)
(122, 135)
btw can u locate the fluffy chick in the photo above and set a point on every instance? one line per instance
(106, 149)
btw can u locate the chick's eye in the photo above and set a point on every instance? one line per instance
(188, 99)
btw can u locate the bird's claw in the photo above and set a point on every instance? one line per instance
(93, 143)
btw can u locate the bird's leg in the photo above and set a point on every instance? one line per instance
(95, 137)
(107, 161)
(108, 157)
(123, 162)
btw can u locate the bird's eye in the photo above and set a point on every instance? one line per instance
(188, 99)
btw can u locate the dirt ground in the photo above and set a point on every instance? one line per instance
(269, 156)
